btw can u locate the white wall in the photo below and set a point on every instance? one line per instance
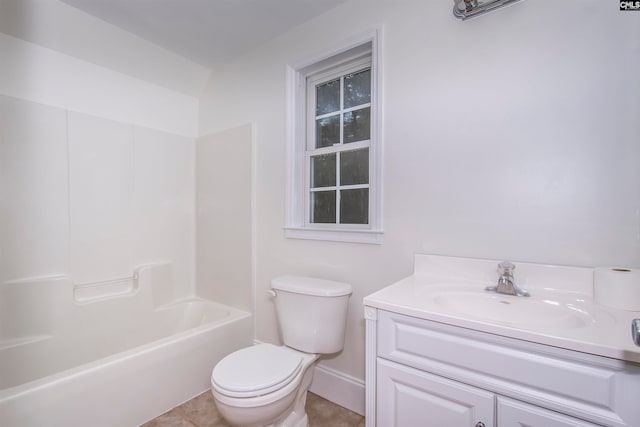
(34, 201)
(63, 28)
(97, 159)
(39, 74)
(512, 136)
(92, 198)
(224, 220)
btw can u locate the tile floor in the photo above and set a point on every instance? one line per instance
(201, 412)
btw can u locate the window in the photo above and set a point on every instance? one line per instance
(334, 176)
(338, 140)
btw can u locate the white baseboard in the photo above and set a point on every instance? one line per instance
(336, 387)
(339, 388)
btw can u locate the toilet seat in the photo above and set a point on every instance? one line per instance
(256, 371)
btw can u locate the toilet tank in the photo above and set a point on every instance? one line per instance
(312, 313)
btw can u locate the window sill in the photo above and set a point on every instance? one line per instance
(373, 237)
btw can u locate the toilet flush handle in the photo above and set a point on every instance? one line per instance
(271, 293)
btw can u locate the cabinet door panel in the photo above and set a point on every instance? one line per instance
(407, 397)
(512, 413)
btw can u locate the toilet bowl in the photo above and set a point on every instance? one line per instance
(263, 385)
(266, 385)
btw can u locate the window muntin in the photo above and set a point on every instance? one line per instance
(337, 150)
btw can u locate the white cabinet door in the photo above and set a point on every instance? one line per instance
(512, 413)
(407, 397)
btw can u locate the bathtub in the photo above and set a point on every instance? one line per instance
(111, 354)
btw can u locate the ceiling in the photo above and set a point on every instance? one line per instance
(209, 32)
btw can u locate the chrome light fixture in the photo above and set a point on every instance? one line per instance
(465, 9)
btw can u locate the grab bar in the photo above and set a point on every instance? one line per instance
(133, 278)
(86, 293)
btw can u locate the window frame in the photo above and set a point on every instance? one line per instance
(312, 81)
(359, 53)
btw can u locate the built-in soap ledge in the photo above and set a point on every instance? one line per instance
(91, 292)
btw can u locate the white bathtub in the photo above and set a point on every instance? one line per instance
(114, 355)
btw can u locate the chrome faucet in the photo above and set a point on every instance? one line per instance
(506, 281)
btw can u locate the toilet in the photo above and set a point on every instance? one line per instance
(266, 385)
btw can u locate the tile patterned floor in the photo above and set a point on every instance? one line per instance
(201, 412)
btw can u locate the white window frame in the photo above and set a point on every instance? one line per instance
(312, 81)
(360, 52)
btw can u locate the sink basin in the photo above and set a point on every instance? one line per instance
(513, 311)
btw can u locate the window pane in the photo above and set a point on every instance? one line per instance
(354, 206)
(354, 167)
(357, 88)
(323, 207)
(328, 131)
(328, 97)
(357, 125)
(323, 170)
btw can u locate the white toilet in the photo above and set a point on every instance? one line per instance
(266, 385)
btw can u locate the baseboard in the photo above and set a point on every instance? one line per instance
(339, 388)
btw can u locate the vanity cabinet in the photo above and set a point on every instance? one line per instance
(410, 397)
(426, 373)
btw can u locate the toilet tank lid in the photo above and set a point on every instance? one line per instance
(311, 286)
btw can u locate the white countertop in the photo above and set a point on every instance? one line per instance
(595, 328)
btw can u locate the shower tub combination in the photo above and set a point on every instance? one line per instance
(110, 354)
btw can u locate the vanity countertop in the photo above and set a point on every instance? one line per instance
(560, 312)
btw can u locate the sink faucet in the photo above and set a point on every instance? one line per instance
(506, 281)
